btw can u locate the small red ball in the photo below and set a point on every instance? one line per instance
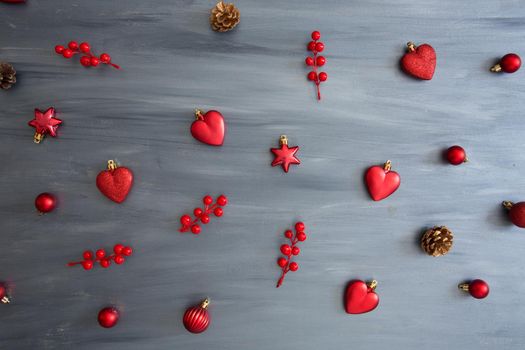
(311, 46)
(309, 61)
(197, 211)
(84, 47)
(87, 265)
(108, 317)
(456, 155)
(205, 219)
(87, 255)
(282, 262)
(185, 220)
(73, 45)
(316, 35)
(119, 259)
(105, 263)
(319, 47)
(85, 61)
(299, 226)
(45, 202)
(479, 289)
(286, 249)
(195, 229)
(207, 200)
(320, 61)
(94, 61)
(294, 266)
(100, 253)
(127, 251)
(510, 63)
(517, 214)
(323, 76)
(296, 250)
(59, 49)
(117, 249)
(312, 76)
(105, 58)
(288, 234)
(67, 53)
(218, 212)
(301, 236)
(222, 200)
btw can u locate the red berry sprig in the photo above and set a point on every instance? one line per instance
(315, 62)
(289, 250)
(88, 59)
(118, 256)
(203, 214)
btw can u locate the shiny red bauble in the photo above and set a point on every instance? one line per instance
(456, 155)
(196, 319)
(516, 213)
(45, 202)
(479, 289)
(108, 317)
(510, 63)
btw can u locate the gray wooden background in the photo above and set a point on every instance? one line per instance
(172, 63)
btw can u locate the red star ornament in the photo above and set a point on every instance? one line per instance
(44, 123)
(285, 156)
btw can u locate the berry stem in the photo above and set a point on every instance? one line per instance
(317, 83)
(286, 268)
(208, 209)
(110, 257)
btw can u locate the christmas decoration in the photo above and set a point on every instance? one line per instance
(108, 317)
(437, 241)
(203, 214)
(509, 63)
(196, 319)
(224, 17)
(479, 289)
(44, 123)
(4, 296)
(285, 156)
(7, 75)
(88, 59)
(381, 181)
(118, 256)
(45, 202)
(419, 62)
(115, 182)
(456, 155)
(516, 212)
(315, 62)
(290, 250)
(209, 128)
(360, 297)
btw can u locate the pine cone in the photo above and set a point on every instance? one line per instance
(7, 75)
(224, 17)
(437, 241)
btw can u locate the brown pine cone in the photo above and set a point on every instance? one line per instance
(224, 17)
(437, 241)
(7, 75)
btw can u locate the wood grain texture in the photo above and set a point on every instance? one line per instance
(172, 63)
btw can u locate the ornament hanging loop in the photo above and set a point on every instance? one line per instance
(205, 303)
(507, 204)
(464, 287)
(388, 165)
(38, 137)
(5, 300)
(112, 165)
(411, 47)
(198, 114)
(372, 285)
(496, 68)
(283, 140)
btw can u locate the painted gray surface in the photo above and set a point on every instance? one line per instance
(172, 62)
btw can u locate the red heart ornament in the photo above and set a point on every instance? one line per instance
(209, 128)
(381, 182)
(360, 297)
(115, 183)
(419, 62)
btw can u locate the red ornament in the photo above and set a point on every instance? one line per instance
(456, 155)
(360, 297)
(315, 62)
(516, 212)
(203, 215)
(44, 123)
(115, 183)
(88, 59)
(196, 319)
(209, 128)
(381, 181)
(509, 63)
(285, 155)
(4, 296)
(479, 289)
(419, 62)
(108, 317)
(45, 202)
(289, 250)
(118, 256)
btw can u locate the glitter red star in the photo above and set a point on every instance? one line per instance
(44, 123)
(285, 156)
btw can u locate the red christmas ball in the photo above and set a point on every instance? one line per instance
(108, 317)
(510, 63)
(196, 319)
(456, 155)
(45, 202)
(479, 289)
(516, 213)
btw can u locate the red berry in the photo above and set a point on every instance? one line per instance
(45, 202)
(217, 212)
(288, 234)
(282, 262)
(87, 265)
(127, 251)
(119, 259)
(320, 61)
(296, 250)
(94, 61)
(105, 58)
(205, 218)
(316, 35)
(117, 249)
(510, 63)
(286, 249)
(185, 220)
(294, 266)
(59, 49)
(87, 255)
(311, 46)
(85, 61)
(299, 226)
(100, 253)
(195, 229)
(301, 236)
(479, 289)
(456, 155)
(73, 45)
(197, 211)
(105, 263)
(312, 76)
(309, 61)
(319, 47)
(222, 200)
(67, 53)
(323, 76)
(207, 200)
(84, 47)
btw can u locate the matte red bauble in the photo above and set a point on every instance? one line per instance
(509, 63)
(4, 297)
(209, 127)
(360, 297)
(115, 183)
(197, 318)
(479, 289)
(381, 181)
(45, 202)
(456, 155)
(516, 212)
(108, 317)
(419, 62)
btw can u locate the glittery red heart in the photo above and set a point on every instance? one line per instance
(209, 128)
(359, 298)
(420, 63)
(115, 184)
(381, 183)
